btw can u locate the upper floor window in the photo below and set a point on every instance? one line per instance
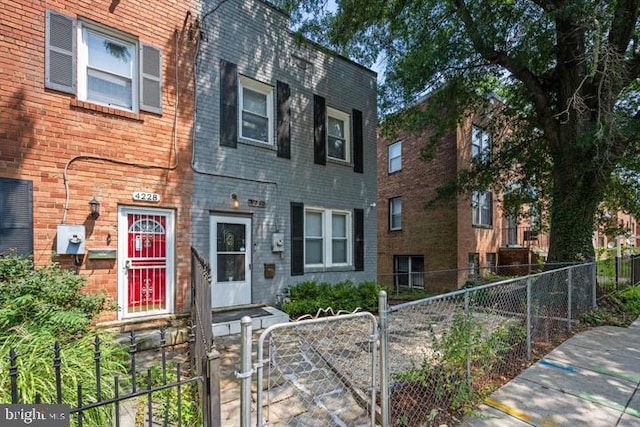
(482, 205)
(395, 156)
(338, 135)
(256, 110)
(108, 67)
(480, 143)
(395, 213)
(327, 237)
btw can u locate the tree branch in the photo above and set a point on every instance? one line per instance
(530, 80)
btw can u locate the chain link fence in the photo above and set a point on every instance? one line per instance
(435, 354)
(440, 351)
(318, 372)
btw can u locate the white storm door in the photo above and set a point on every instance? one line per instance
(230, 261)
(145, 261)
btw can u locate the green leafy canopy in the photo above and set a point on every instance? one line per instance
(566, 72)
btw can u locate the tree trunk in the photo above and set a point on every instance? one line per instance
(577, 192)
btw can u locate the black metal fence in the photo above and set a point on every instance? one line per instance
(151, 385)
(140, 393)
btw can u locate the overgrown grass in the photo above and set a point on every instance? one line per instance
(469, 349)
(617, 308)
(36, 372)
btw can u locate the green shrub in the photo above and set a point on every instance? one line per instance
(311, 296)
(42, 306)
(48, 299)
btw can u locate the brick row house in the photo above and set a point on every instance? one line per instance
(442, 247)
(131, 132)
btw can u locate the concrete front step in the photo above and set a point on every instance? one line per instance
(227, 322)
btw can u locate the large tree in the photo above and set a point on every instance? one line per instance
(567, 71)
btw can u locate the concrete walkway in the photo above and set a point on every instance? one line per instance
(592, 380)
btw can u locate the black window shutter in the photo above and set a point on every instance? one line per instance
(60, 47)
(297, 239)
(358, 154)
(16, 216)
(284, 120)
(228, 104)
(319, 130)
(358, 238)
(150, 79)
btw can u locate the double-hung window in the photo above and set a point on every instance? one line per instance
(107, 66)
(338, 135)
(256, 111)
(394, 152)
(101, 65)
(327, 238)
(482, 205)
(395, 213)
(480, 144)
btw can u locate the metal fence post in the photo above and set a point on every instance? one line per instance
(245, 371)
(569, 297)
(594, 285)
(529, 318)
(212, 379)
(384, 359)
(467, 350)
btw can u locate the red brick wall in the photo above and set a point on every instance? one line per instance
(444, 235)
(42, 130)
(427, 232)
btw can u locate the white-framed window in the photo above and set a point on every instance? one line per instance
(395, 213)
(482, 205)
(480, 143)
(394, 152)
(338, 135)
(101, 65)
(256, 110)
(107, 66)
(327, 238)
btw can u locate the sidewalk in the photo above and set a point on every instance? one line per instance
(592, 380)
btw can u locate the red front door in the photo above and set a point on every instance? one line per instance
(146, 263)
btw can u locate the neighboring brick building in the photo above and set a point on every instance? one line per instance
(96, 103)
(285, 169)
(440, 248)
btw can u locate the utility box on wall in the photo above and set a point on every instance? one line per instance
(277, 242)
(70, 239)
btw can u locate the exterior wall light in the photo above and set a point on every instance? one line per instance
(94, 205)
(235, 203)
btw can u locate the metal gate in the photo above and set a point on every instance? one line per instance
(316, 372)
(635, 269)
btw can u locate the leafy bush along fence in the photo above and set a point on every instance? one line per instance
(50, 354)
(440, 352)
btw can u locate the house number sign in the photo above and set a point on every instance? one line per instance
(143, 196)
(257, 203)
